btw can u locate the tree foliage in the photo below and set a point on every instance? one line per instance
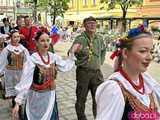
(53, 7)
(123, 4)
(34, 7)
(57, 8)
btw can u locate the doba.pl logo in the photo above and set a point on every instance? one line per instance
(144, 116)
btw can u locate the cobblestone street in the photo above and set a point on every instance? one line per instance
(66, 85)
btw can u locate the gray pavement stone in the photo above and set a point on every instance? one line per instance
(66, 85)
(66, 91)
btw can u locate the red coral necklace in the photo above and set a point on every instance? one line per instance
(45, 62)
(136, 87)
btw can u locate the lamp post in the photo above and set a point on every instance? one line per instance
(14, 9)
(77, 7)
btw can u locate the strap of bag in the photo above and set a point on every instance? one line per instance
(30, 31)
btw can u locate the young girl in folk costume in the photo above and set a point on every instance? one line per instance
(37, 84)
(130, 89)
(12, 58)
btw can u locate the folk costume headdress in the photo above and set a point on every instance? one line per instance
(125, 41)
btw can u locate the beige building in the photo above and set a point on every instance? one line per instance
(80, 9)
(150, 8)
(14, 8)
(7, 8)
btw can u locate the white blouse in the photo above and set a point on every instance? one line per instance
(15, 49)
(110, 100)
(27, 76)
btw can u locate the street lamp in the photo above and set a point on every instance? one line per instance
(77, 7)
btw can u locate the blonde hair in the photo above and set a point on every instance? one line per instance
(127, 42)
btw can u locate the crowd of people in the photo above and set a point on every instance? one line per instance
(29, 67)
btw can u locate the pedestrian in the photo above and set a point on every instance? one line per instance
(19, 22)
(90, 57)
(37, 85)
(6, 28)
(130, 89)
(27, 33)
(12, 59)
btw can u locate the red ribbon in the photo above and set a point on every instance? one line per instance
(55, 37)
(141, 27)
(116, 53)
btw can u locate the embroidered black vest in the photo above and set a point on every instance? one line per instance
(15, 61)
(44, 78)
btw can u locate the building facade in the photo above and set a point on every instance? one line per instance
(79, 9)
(7, 8)
(150, 8)
(14, 8)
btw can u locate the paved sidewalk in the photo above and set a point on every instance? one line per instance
(5, 111)
(66, 85)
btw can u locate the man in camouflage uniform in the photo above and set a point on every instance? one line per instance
(90, 57)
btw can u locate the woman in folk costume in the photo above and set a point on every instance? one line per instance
(37, 84)
(12, 58)
(130, 90)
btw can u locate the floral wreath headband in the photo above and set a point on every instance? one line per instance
(132, 34)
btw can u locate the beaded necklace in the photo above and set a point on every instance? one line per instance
(136, 87)
(45, 62)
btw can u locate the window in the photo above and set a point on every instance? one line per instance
(71, 4)
(94, 2)
(84, 2)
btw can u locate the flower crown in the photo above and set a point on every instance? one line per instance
(126, 37)
(136, 31)
(133, 33)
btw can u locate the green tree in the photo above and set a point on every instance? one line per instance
(57, 8)
(35, 5)
(54, 7)
(124, 5)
